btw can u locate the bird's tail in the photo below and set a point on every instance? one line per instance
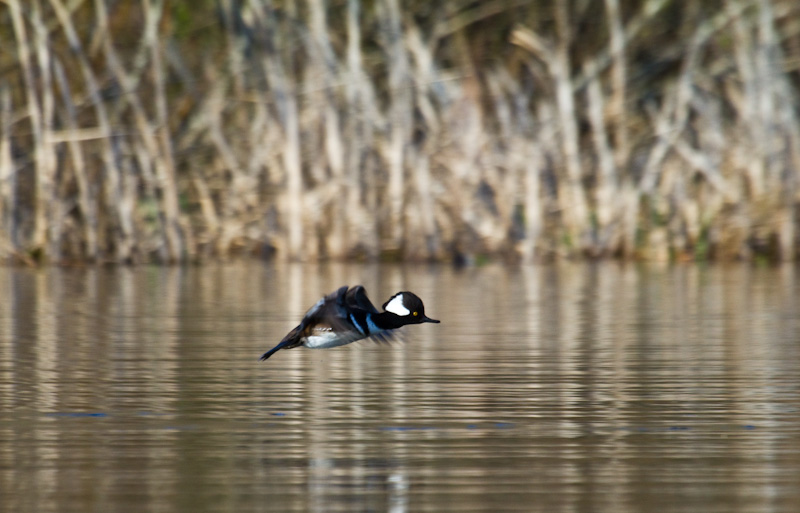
(276, 348)
(289, 341)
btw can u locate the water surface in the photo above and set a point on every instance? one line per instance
(551, 388)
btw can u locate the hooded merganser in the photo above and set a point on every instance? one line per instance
(348, 315)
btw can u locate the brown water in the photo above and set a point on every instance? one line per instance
(557, 388)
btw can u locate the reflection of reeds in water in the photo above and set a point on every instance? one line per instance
(553, 370)
(145, 132)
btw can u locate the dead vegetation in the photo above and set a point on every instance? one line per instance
(147, 131)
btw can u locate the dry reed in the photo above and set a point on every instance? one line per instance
(144, 131)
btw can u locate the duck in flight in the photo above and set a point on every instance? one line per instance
(347, 315)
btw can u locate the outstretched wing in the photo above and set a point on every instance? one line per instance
(330, 308)
(388, 336)
(356, 298)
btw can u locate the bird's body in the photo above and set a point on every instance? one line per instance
(348, 315)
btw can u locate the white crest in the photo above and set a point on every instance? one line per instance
(396, 306)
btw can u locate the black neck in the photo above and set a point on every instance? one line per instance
(387, 320)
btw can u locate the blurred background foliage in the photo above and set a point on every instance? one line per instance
(152, 131)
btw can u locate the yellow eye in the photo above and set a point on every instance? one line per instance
(415, 314)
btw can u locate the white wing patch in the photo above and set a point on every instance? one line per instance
(396, 306)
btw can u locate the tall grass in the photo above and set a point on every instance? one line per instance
(141, 131)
